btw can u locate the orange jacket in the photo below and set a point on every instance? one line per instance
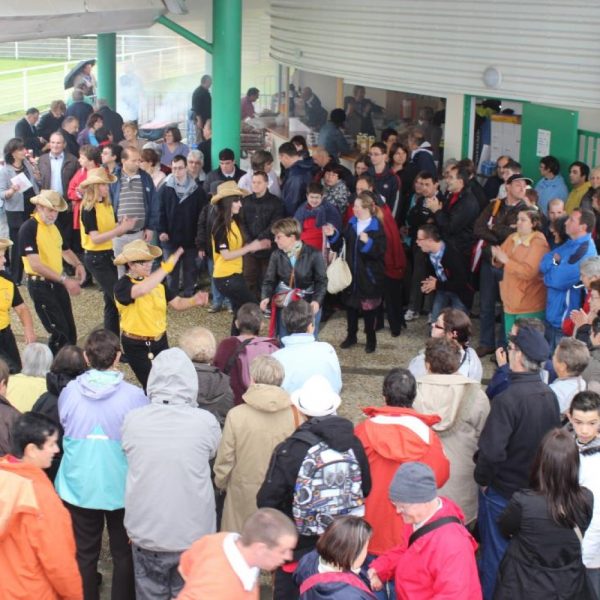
(37, 548)
(392, 436)
(522, 288)
(208, 574)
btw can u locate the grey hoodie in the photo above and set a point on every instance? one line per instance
(169, 499)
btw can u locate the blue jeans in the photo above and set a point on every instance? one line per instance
(218, 300)
(388, 592)
(156, 574)
(185, 269)
(489, 294)
(493, 543)
(553, 335)
(443, 300)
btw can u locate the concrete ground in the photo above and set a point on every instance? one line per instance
(362, 373)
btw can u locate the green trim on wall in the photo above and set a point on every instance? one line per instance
(466, 127)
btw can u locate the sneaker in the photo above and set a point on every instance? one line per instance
(411, 315)
(214, 309)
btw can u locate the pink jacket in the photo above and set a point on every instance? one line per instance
(439, 565)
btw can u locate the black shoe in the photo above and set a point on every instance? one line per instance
(396, 333)
(371, 347)
(348, 342)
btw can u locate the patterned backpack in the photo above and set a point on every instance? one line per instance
(329, 484)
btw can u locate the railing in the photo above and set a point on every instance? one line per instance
(589, 147)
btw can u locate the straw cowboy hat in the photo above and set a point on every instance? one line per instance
(5, 243)
(229, 188)
(50, 199)
(97, 176)
(316, 397)
(137, 250)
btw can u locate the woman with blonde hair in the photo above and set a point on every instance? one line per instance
(252, 431)
(98, 228)
(522, 287)
(365, 242)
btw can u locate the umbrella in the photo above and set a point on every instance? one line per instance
(75, 71)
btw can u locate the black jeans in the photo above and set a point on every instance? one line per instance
(100, 265)
(9, 352)
(88, 525)
(14, 220)
(137, 352)
(187, 264)
(393, 292)
(53, 306)
(234, 288)
(370, 317)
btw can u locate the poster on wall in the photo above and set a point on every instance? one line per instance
(506, 136)
(542, 147)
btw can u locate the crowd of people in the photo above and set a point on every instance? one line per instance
(230, 457)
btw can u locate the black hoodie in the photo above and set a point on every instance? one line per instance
(277, 491)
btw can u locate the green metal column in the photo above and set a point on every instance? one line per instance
(227, 71)
(107, 68)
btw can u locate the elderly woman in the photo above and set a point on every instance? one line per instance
(336, 191)
(142, 299)
(463, 408)
(130, 133)
(195, 164)
(28, 385)
(252, 431)
(296, 270)
(15, 197)
(589, 272)
(98, 228)
(455, 325)
(522, 287)
(171, 147)
(364, 238)
(214, 389)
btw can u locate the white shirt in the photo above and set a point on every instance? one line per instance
(248, 575)
(56, 163)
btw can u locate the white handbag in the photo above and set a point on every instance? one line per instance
(339, 276)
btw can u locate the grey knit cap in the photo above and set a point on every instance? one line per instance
(413, 483)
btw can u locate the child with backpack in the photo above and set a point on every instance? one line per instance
(318, 473)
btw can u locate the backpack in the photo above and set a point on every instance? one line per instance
(246, 352)
(328, 485)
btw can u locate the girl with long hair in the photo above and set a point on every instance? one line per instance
(546, 524)
(365, 242)
(98, 227)
(229, 248)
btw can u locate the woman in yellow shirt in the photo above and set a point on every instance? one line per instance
(142, 299)
(98, 227)
(228, 248)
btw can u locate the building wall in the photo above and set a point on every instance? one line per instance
(548, 51)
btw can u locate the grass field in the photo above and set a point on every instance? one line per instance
(9, 64)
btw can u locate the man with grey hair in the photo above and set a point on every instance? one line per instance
(519, 418)
(195, 164)
(79, 108)
(439, 558)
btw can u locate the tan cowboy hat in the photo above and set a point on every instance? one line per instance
(97, 176)
(229, 188)
(5, 243)
(50, 199)
(137, 250)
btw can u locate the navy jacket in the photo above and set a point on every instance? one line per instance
(150, 199)
(297, 178)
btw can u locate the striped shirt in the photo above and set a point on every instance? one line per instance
(131, 199)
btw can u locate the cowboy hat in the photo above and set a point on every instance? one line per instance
(97, 176)
(316, 397)
(50, 199)
(229, 188)
(138, 250)
(5, 243)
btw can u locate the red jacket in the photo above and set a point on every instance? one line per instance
(37, 548)
(401, 435)
(568, 326)
(75, 195)
(439, 565)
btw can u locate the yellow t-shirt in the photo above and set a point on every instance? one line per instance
(146, 315)
(101, 218)
(9, 298)
(232, 241)
(35, 237)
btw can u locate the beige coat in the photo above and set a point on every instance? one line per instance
(251, 433)
(463, 408)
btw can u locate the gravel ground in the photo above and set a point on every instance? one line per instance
(362, 373)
